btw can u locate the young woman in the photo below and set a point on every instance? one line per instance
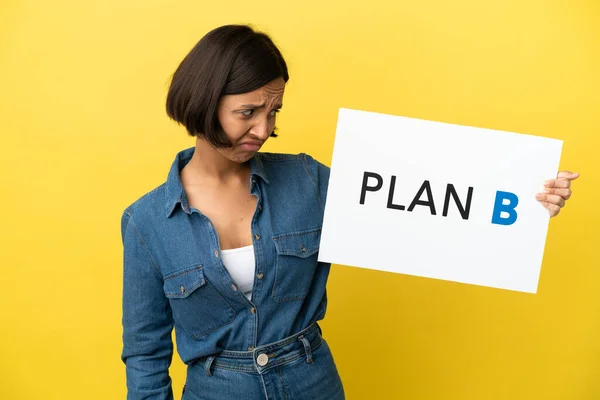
(226, 249)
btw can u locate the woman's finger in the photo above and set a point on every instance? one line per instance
(551, 198)
(564, 193)
(568, 175)
(558, 183)
(553, 209)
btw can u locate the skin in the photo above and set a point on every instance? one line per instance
(556, 192)
(217, 180)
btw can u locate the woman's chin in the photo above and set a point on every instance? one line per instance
(242, 157)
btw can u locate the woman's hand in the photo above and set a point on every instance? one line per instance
(557, 191)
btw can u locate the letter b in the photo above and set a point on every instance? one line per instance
(509, 208)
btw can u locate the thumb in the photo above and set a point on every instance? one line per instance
(568, 175)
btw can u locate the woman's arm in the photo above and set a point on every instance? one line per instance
(147, 320)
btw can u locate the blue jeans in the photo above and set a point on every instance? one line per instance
(299, 367)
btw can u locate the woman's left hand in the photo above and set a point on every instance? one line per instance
(557, 191)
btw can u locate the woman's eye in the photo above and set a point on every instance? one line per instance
(247, 113)
(273, 113)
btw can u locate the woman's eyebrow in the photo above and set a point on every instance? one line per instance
(261, 105)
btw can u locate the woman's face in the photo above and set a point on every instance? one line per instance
(248, 119)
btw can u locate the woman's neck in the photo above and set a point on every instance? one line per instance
(211, 167)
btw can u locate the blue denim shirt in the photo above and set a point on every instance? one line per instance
(174, 277)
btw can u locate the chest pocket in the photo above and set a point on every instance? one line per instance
(196, 305)
(297, 254)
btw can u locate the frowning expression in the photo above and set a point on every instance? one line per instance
(248, 119)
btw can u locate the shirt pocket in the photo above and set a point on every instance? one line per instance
(198, 308)
(297, 254)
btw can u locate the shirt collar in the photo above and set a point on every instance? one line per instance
(174, 193)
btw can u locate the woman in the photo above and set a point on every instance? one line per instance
(226, 249)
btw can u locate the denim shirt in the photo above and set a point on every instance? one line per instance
(174, 277)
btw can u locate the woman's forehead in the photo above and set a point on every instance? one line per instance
(272, 91)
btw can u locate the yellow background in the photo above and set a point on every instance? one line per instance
(84, 133)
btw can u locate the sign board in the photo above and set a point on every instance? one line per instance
(438, 200)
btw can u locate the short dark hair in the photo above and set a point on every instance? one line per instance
(231, 59)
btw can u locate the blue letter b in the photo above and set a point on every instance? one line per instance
(509, 208)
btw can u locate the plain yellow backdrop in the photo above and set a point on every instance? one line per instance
(84, 133)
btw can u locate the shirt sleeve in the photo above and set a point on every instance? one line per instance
(147, 320)
(321, 185)
(319, 173)
(324, 171)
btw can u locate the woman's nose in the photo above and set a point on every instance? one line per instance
(261, 129)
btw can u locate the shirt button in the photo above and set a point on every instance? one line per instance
(259, 207)
(234, 287)
(256, 236)
(216, 253)
(250, 348)
(252, 310)
(262, 359)
(253, 180)
(260, 275)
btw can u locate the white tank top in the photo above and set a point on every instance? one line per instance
(240, 263)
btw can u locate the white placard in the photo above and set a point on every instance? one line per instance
(398, 200)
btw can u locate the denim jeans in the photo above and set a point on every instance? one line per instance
(299, 367)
